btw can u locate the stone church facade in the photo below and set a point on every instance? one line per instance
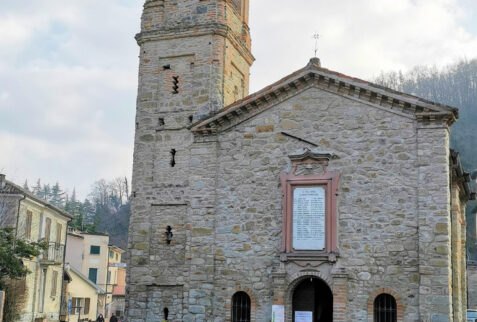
(321, 197)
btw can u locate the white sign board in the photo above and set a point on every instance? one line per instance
(309, 218)
(303, 316)
(278, 313)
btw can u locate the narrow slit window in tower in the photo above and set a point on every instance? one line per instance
(173, 157)
(175, 86)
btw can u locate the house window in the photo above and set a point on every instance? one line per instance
(385, 308)
(77, 305)
(94, 250)
(29, 219)
(93, 275)
(309, 205)
(111, 254)
(241, 306)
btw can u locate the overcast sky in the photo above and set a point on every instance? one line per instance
(68, 69)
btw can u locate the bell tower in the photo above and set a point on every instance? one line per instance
(195, 54)
(195, 58)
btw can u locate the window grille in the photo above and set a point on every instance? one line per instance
(385, 308)
(241, 307)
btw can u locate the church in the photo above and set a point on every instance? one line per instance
(321, 197)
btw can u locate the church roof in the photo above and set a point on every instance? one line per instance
(313, 75)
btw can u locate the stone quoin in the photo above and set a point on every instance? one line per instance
(218, 229)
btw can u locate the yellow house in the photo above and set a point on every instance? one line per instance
(35, 219)
(81, 296)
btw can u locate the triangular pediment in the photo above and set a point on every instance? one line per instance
(313, 75)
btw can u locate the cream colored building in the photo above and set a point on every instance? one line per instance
(89, 254)
(35, 219)
(82, 296)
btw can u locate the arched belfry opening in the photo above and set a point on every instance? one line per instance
(312, 298)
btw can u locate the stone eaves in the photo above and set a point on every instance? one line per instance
(315, 76)
(461, 177)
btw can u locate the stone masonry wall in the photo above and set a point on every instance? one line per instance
(378, 224)
(435, 264)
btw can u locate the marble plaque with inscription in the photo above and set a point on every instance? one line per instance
(309, 218)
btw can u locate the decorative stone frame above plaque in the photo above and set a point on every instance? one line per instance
(310, 170)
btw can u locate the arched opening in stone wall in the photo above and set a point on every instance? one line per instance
(312, 298)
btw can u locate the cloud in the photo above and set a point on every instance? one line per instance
(360, 38)
(68, 79)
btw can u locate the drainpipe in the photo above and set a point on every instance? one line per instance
(63, 266)
(35, 289)
(18, 220)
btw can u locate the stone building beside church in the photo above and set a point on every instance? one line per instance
(321, 197)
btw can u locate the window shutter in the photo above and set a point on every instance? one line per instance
(47, 229)
(93, 275)
(54, 283)
(59, 229)
(29, 219)
(86, 305)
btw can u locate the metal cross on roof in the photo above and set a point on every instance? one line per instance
(316, 36)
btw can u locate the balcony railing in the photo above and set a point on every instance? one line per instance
(53, 254)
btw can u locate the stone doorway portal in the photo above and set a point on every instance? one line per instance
(313, 295)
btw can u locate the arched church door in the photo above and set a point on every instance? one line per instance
(312, 301)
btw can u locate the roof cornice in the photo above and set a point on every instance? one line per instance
(195, 30)
(345, 86)
(12, 188)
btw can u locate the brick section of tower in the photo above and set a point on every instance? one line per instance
(194, 59)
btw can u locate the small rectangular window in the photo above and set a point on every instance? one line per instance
(29, 219)
(94, 250)
(93, 275)
(111, 254)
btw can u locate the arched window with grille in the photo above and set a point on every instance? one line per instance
(385, 308)
(241, 306)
